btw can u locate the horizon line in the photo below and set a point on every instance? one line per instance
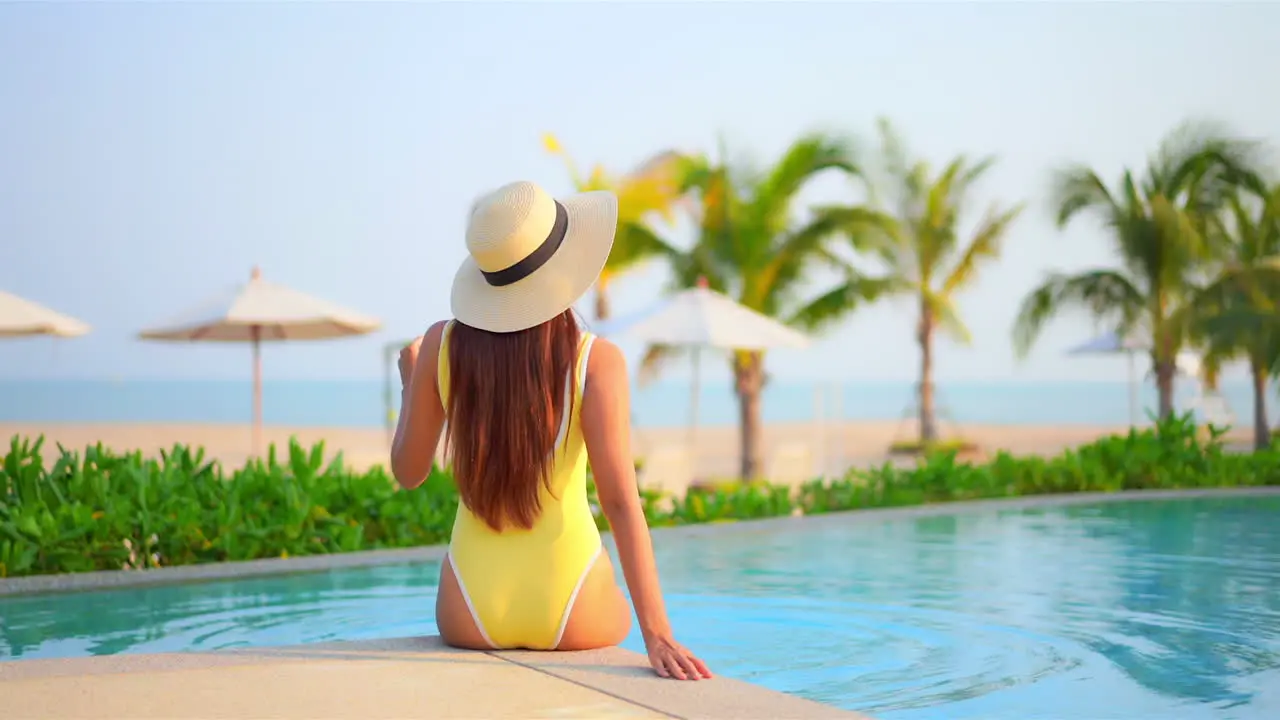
(787, 380)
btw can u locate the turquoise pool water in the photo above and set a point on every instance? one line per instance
(1138, 609)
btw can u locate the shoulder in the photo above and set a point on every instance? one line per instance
(436, 331)
(431, 341)
(606, 364)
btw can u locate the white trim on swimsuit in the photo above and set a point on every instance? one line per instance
(582, 579)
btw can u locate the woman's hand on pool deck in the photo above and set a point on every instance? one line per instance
(670, 659)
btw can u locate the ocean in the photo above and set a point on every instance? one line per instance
(360, 403)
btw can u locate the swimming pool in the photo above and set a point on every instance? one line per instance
(1135, 609)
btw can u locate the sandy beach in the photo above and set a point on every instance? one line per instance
(792, 452)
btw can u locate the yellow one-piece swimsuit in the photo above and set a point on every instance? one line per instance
(520, 585)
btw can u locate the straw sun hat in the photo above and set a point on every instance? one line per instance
(530, 257)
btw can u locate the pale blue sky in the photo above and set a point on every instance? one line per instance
(150, 154)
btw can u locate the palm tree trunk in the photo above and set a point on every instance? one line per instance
(1163, 360)
(602, 303)
(928, 416)
(748, 374)
(1261, 430)
(1165, 370)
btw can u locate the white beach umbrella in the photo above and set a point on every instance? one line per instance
(701, 318)
(20, 317)
(1113, 343)
(1189, 363)
(260, 311)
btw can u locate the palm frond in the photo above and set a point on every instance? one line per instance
(1103, 294)
(773, 197)
(944, 312)
(1271, 199)
(1237, 328)
(1268, 227)
(717, 209)
(1078, 189)
(805, 247)
(652, 187)
(934, 234)
(1233, 315)
(636, 243)
(893, 150)
(657, 358)
(551, 144)
(985, 245)
(973, 173)
(1241, 226)
(866, 228)
(1238, 309)
(1211, 362)
(1202, 160)
(835, 304)
(1182, 243)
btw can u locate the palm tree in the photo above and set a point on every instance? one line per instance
(1238, 314)
(1162, 229)
(923, 249)
(750, 247)
(650, 189)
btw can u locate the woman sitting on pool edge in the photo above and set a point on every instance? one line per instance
(530, 397)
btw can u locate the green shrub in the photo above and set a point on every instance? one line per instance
(1172, 455)
(101, 510)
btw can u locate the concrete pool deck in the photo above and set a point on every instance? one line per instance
(397, 678)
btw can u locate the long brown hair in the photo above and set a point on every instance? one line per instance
(506, 401)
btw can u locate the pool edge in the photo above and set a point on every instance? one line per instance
(244, 569)
(398, 677)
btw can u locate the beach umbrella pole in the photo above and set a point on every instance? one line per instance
(1133, 391)
(256, 333)
(693, 408)
(820, 428)
(386, 395)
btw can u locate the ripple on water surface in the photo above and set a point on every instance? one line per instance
(1142, 609)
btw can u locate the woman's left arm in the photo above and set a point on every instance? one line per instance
(413, 450)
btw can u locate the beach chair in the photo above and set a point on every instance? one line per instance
(1206, 403)
(667, 469)
(791, 464)
(1212, 407)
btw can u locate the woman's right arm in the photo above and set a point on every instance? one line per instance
(606, 427)
(413, 449)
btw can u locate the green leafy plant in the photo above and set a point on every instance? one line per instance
(100, 510)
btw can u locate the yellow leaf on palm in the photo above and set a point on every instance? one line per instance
(640, 196)
(599, 179)
(635, 199)
(661, 186)
(714, 203)
(551, 144)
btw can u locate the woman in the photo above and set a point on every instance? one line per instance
(530, 398)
